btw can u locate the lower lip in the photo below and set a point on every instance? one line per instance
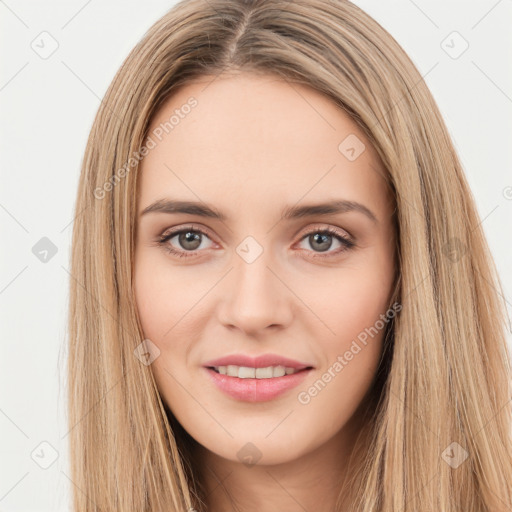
(256, 390)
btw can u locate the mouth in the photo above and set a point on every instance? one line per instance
(247, 372)
(249, 384)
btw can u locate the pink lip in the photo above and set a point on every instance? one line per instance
(256, 390)
(257, 362)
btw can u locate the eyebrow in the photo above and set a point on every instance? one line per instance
(290, 212)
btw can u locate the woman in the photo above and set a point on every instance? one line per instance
(282, 294)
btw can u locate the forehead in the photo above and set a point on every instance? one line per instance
(249, 140)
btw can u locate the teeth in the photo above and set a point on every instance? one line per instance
(245, 372)
(266, 373)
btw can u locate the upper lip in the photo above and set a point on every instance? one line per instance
(261, 361)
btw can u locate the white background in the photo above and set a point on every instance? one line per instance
(47, 109)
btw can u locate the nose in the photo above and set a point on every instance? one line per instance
(255, 298)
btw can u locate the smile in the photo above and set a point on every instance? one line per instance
(249, 386)
(246, 372)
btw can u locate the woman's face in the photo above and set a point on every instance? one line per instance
(248, 270)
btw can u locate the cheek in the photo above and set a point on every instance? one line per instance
(150, 299)
(350, 359)
(351, 302)
(160, 306)
(163, 297)
(356, 312)
(358, 308)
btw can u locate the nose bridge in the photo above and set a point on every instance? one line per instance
(255, 297)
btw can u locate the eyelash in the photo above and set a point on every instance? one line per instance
(163, 239)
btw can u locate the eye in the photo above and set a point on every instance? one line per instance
(321, 240)
(189, 239)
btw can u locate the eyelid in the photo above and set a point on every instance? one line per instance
(186, 227)
(168, 234)
(326, 227)
(346, 241)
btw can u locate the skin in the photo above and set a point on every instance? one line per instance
(251, 146)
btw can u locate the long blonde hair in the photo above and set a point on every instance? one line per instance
(441, 429)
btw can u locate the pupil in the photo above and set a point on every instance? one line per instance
(321, 238)
(190, 238)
